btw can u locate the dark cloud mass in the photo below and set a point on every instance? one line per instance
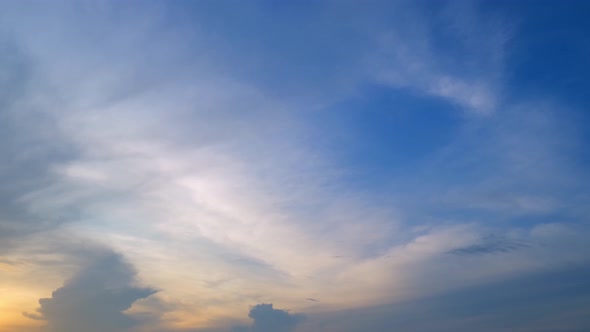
(268, 319)
(95, 299)
(489, 247)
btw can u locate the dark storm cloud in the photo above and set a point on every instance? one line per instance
(95, 299)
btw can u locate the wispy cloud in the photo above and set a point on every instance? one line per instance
(410, 55)
(525, 303)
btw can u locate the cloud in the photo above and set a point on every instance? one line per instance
(9, 262)
(268, 319)
(489, 246)
(204, 165)
(409, 55)
(551, 300)
(95, 299)
(16, 147)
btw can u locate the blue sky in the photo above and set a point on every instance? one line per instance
(294, 166)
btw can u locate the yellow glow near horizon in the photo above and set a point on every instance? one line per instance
(22, 286)
(13, 303)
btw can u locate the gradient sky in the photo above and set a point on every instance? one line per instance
(294, 166)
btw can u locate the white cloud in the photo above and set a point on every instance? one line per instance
(469, 76)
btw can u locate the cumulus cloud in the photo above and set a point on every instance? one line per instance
(268, 319)
(95, 299)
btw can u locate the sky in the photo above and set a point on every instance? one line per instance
(294, 166)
